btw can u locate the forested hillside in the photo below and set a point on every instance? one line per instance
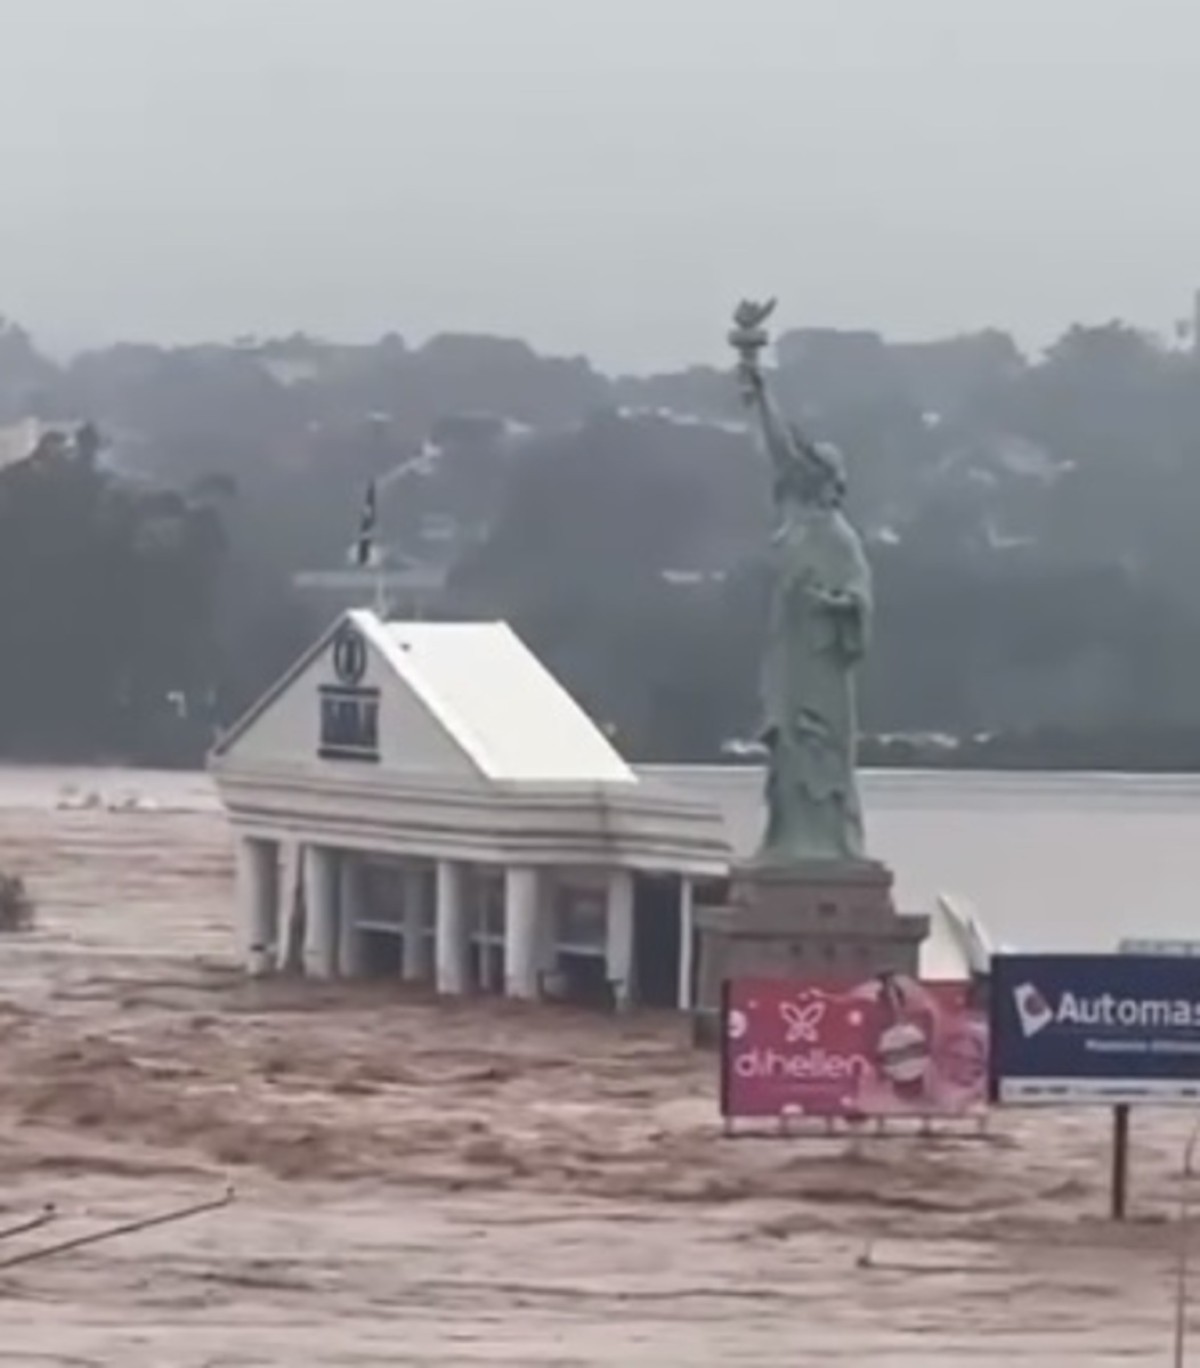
(1031, 522)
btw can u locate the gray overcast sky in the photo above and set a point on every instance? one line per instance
(603, 176)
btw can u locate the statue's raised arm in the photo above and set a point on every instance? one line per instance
(792, 455)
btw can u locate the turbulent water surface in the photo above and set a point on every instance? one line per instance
(429, 1183)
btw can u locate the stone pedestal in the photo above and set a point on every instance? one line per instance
(821, 920)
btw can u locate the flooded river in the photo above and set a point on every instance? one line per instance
(429, 1183)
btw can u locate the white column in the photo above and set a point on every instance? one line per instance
(619, 950)
(320, 912)
(687, 942)
(352, 943)
(522, 908)
(415, 895)
(451, 935)
(257, 903)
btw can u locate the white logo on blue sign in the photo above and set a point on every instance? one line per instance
(1033, 1011)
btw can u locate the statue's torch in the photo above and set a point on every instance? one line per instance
(748, 337)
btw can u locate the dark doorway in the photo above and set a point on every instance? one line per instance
(486, 966)
(381, 955)
(656, 939)
(584, 981)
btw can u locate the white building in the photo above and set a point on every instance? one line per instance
(450, 815)
(19, 440)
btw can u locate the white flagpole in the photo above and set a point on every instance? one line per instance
(368, 554)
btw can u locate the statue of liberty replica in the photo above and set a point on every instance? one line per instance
(810, 903)
(817, 633)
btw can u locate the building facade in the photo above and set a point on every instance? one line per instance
(425, 801)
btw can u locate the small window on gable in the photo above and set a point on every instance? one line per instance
(349, 723)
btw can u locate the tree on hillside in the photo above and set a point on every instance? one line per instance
(106, 604)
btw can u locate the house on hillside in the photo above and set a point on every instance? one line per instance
(19, 440)
(425, 800)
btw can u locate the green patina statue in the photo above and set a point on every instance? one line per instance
(817, 634)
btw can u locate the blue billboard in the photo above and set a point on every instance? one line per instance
(1095, 1028)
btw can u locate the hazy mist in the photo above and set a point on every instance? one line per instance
(596, 175)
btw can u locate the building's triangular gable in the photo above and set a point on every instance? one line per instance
(455, 700)
(285, 725)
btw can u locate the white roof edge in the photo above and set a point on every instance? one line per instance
(625, 775)
(622, 799)
(242, 724)
(375, 629)
(383, 635)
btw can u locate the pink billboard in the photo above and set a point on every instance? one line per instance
(884, 1046)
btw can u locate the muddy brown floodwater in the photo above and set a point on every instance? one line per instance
(426, 1183)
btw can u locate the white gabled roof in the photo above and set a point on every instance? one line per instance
(497, 700)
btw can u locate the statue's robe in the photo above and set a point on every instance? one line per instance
(810, 718)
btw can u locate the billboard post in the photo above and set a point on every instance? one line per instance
(1120, 1161)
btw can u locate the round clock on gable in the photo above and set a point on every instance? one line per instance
(349, 656)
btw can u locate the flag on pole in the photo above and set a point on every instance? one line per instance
(364, 548)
